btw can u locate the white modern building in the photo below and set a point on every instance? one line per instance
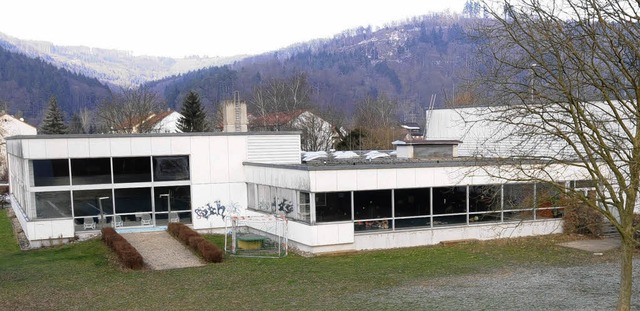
(63, 186)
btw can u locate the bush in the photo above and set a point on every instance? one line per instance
(127, 254)
(186, 233)
(209, 251)
(174, 228)
(582, 220)
(194, 241)
(189, 237)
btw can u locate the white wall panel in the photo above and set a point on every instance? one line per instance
(141, 146)
(160, 146)
(220, 158)
(56, 149)
(199, 160)
(120, 147)
(37, 149)
(79, 147)
(181, 145)
(367, 179)
(99, 147)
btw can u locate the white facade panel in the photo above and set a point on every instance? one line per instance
(99, 147)
(386, 178)
(346, 179)
(120, 147)
(180, 145)
(326, 180)
(220, 158)
(79, 148)
(141, 146)
(160, 146)
(37, 149)
(237, 153)
(200, 161)
(367, 179)
(57, 149)
(406, 178)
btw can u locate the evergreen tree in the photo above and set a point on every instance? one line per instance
(75, 125)
(53, 122)
(193, 115)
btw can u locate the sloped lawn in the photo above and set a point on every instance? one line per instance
(83, 276)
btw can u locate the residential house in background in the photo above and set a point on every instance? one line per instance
(11, 126)
(161, 122)
(317, 133)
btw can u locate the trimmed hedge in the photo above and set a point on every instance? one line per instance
(127, 254)
(189, 237)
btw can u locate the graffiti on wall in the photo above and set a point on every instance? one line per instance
(284, 206)
(209, 210)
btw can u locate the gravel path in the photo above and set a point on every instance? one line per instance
(161, 251)
(592, 287)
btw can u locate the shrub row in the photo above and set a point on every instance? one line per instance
(582, 220)
(126, 253)
(209, 251)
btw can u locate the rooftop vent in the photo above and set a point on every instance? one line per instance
(427, 149)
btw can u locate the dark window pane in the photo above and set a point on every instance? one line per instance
(50, 172)
(547, 196)
(176, 198)
(333, 206)
(412, 222)
(170, 168)
(518, 196)
(53, 204)
(133, 200)
(137, 169)
(484, 198)
(449, 200)
(411, 202)
(92, 202)
(91, 171)
(372, 204)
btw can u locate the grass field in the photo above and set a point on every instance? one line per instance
(84, 276)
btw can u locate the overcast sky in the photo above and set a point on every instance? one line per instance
(200, 27)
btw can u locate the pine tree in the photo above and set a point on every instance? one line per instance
(53, 122)
(193, 116)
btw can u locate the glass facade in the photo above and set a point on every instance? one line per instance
(94, 197)
(396, 209)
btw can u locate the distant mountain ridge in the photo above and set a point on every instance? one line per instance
(112, 67)
(410, 62)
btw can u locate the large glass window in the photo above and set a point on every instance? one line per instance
(56, 204)
(133, 200)
(450, 200)
(170, 168)
(50, 172)
(333, 206)
(485, 203)
(412, 202)
(173, 198)
(518, 202)
(91, 171)
(92, 202)
(135, 169)
(372, 204)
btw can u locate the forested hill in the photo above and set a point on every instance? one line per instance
(26, 84)
(409, 62)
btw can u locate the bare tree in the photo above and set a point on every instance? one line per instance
(566, 74)
(281, 95)
(378, 117)
(127, 111)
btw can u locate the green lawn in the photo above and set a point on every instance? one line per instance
(83, 276)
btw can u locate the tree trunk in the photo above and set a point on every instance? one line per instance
(626, 274)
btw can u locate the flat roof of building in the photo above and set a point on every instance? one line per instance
(67, 136)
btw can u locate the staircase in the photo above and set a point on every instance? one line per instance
(609, 231)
